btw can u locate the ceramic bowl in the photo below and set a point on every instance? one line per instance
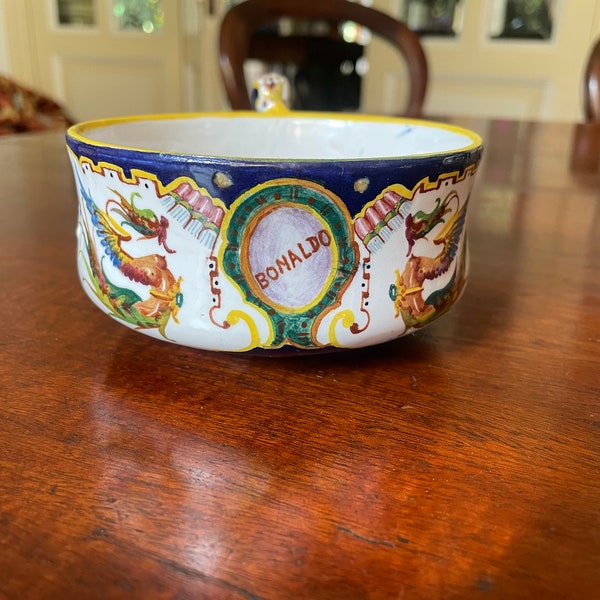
(273, 232)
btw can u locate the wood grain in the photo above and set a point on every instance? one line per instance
(461, 462)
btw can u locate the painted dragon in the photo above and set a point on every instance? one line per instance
(407, 291)
(164, 290)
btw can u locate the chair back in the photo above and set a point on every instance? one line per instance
(591, 85)
(239, 42)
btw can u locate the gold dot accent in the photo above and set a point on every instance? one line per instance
(222, 180)
(361, 185)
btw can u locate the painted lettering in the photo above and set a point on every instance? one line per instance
(304, 253)
(294, 258)
(272, 273)
(282, 262)
(262, 280)
(314, 242)
(324, 238)
(289, 260)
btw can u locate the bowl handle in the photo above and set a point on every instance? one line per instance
(271, 93)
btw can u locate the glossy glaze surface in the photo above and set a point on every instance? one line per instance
(459, 462)
(254, 254)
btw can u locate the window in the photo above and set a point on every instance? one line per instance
(138, 15)
(75, 13)
(432, 17)
(522, 19)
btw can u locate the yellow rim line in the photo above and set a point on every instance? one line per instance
(77, 132)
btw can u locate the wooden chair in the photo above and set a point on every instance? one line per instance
(585, 145)
(241, 39)
(591, 85)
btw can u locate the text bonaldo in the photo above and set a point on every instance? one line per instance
(291, 258)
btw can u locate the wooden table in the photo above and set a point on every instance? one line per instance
(461, 462)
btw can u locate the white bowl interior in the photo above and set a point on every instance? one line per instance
(285, 138)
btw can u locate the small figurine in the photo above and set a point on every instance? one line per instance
(271, 92)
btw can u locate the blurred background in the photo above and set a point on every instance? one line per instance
(520, 59)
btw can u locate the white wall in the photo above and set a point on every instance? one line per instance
(4, 57)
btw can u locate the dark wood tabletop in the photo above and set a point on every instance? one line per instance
(459, 462)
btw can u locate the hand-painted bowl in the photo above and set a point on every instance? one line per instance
(273, 233)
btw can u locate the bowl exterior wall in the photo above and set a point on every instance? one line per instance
(235, 255)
